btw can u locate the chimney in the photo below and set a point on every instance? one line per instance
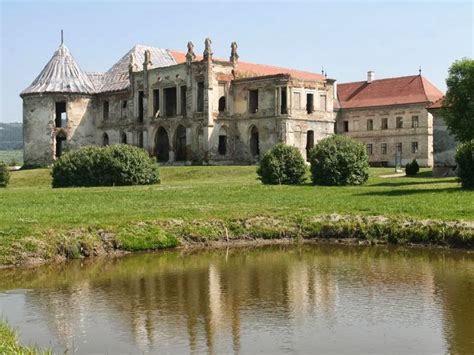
(370, 76)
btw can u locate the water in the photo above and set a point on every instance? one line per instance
(298, 299)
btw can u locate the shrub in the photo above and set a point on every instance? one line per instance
(339, 160)
(105, 166)
(283, 164)
(465, 162)
(4, 174)
(411, 169)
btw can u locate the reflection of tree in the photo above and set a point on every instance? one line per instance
(158, 298)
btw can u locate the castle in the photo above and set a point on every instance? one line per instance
(185, 108)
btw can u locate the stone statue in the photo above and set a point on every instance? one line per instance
(147, 61)
(133, 64)
(207, 49)
(234, 57)
(190, 56)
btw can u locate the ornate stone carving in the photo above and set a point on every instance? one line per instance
(234, 57)
(207, 49)
(190, 56)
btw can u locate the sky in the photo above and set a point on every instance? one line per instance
(346, 38)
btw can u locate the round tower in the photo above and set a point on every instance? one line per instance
(57, 110)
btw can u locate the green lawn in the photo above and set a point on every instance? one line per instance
(8, 156)
(29, 206)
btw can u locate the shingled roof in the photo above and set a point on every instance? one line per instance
(384, 92)
(62, 74)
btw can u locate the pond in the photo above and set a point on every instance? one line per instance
(308, 299)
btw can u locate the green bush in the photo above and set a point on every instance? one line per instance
(105, 166)
(4, 174)
(465, 162)
(283, 164)
(339, 160)
(411, 169)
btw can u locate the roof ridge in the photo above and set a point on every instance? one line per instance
(383, 79)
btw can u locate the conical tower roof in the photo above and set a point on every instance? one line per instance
(61, 75)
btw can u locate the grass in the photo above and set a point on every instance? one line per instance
(9, 343)
(8, 156)
(30, 209)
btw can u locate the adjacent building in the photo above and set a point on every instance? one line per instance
(390, 117)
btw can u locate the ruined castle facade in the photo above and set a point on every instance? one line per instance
(180, 107)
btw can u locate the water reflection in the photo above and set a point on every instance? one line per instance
(309, 298)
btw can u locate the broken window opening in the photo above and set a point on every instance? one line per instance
(222, 149)
(253, 101)
(200, 97)
(222, 104)
(346, 126)
(59, 145)
(180, 144)
(140, 139)
(183, 100)
(170, 102)
(156, 101)
(141, 108)
(123, 112)
(105, 139)
(309, 143)
(254, 142)
(162, 145)
(309, 103)
(105, 110)
(61, 115)
(284, 107)
(384, 123)
(399, 122)
(370, 125)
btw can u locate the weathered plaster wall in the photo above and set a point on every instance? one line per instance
(423, 134)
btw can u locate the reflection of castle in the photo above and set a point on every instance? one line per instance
(153, 301)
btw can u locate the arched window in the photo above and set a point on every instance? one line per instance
(162, 145)
(180, 144)
(222, 104)
(105, 140)
(254, 142)
(123, 138)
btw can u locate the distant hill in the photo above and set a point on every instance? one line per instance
(11, 136)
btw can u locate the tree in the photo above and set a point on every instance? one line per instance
(283, 164)
(458, 105)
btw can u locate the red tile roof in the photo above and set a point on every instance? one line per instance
(383, 92)
(437, 104)
(246, 69)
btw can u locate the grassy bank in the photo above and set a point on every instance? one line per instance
(9, 343)
(196, 204)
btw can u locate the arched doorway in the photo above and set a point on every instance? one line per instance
(254, 142)
(105, 139)
(123, 138)
(162, 145)
(180, 143)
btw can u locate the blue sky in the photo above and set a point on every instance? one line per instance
(347, 38)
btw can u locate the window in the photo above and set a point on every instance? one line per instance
(200, 97)
(222, 145)
(384, 148)
(105, 139)
(183, 100)
(346, 126)
(414, 122)
(399, 147)
(123, 112)
(309, 143)
(61, 115)
(369, 149)
(156, 101)
(123, 138)
(309, 103)
(414, 147)
(384, 123)
(170, 102)
(283, 108)
(322, 103)
(297, 100)
(253, 101)
(59, 145)
(222, 104)
(105, 110)
(399, 122)
(140, 106)
(370, 125)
